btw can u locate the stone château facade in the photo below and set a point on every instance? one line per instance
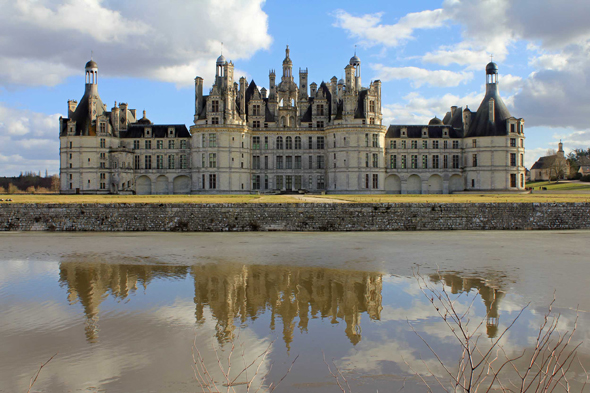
(291, 137)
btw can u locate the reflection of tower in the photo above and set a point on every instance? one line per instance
(91, 282)
(490, 296)
(236, 292)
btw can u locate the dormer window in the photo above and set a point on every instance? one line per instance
(171, 132)
(404, 132)
(446, 132)
(148, 132)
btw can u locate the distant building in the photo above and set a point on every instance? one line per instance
(553, 167)
(584, 163)
(291, 137)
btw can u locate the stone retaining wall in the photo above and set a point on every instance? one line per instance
(293, 217)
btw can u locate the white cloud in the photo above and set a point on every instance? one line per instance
(421, 76)
(510, 83)
(419, 110)
(369, 29)
(29, 141)
(556, 61)
(42, 42)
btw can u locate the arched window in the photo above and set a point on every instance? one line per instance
(288, 143)
(298, 142)
(279, 142)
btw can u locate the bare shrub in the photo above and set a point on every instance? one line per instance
(34, 378)
(30, 190)
(544, 368)
(245, 377)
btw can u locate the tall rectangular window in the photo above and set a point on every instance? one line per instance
(367, 180)
(393, 144)
(414, 144)
(135, 144)
(375, 181)
(414, 161)
(320, 162)
(375, 161)
(256, 182)
(171, 144)
(320, 124)
(203, 140)
(279, 182)
(159, 144)
(183, 161)
(212, 140)
(455, 161)
(310, 142)
(320, 110)
(522, 160)
(435, 161)
(424, 162)
(255, 142)
(297, 162)
(512, 142)
(297, 143)
(256, 124)
(372, 106)
(279, 162)
(366, 160)
(403, 144)
(171, 163)
(320, 142)
(212, 160)
(512, 159)
(255, 162)
(474, 143)
(159, 162)
(288, 162)
(455, 144)
(393, 161)
(148, 162)
(404, 163)
(136, 162)
(425, 144)
(183, 144)
(366, 140)
(103, 143)
(256, 111)
(215, 106)
(474, 160)
(435, 144)
(212, 181)
(445, 144)
(321, 182)
(445, 162)
(265, 162)
(310, 166)
(375, 140)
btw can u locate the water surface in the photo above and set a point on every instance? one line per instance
(123, 310)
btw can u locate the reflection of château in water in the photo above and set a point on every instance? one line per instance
(90, 283)
(289, 293)
(491, 296)
(242, 292)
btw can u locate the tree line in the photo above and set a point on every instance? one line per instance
(29, 182)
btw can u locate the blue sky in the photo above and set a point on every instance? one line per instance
(428, 54)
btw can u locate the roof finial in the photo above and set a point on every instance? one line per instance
(355, 50)
(144, 114)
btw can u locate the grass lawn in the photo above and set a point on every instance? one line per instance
(562, 185)
(463, 198)
(52, 198)
(455, 198)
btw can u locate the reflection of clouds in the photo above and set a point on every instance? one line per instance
(24, 317)
(145, 351)
(15, 271)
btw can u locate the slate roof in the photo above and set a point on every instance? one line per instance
(360, 108)
(415, 131)
(82, 117)
(158, 131)
(481, 124)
